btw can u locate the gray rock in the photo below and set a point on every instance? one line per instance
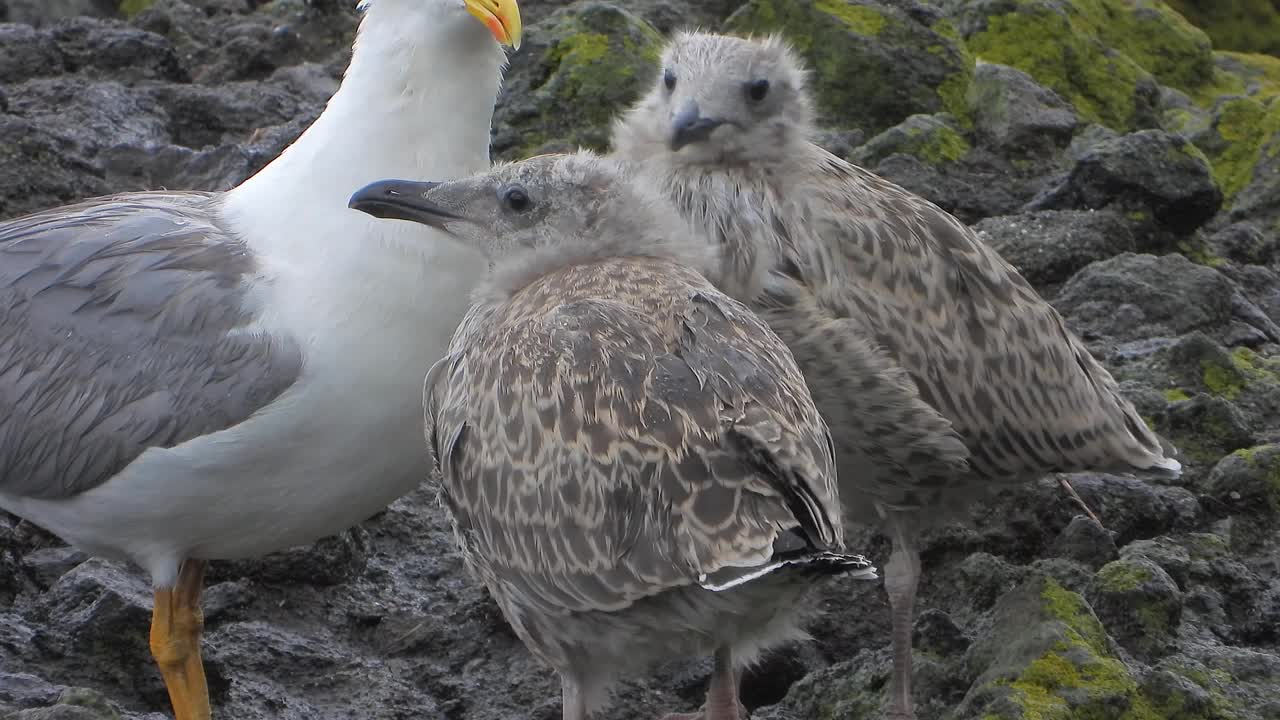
(1244, 242)
(1085, 541)
(1049, 246)
(881, 61)
(44, 12)
(1015, 113)
(1139, 605)
(97, 48)
(50, 564)
(1134, 297)
(1171, 556)
(1160, 181)
(565, 92)
(26, 53)
(1245, 483)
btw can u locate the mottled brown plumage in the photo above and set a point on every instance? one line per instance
(996, 387)
(633, 464)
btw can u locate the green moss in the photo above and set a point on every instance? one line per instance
(859, 18)
(598, 60)
(1196, 249)
(1176, 395)
(1248, 26)
(858, 52)
(1269, 466)
(1119, 576)
(943, 145)
(1158, 39)
(954, 94)
(1066, 683)
(1247, 126)
(1224, 380)
(1073, 611)
(1045, 44)
(1206, 546)
(129, 8)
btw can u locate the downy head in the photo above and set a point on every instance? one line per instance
(719, 100)
(531, 217)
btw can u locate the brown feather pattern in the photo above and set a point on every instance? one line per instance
(861, 263)
(613, 432)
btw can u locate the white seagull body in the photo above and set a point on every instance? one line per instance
(279, 337)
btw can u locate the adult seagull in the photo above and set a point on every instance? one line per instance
(187, 376)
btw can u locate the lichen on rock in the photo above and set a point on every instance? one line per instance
(874, 64)
(592, 60)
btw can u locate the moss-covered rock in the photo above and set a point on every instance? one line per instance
(1159, 181)
(1015, 113)
(1248, 481)
(129, 8)
(589, 61)
(1047, 657)
(874, 65)
(1246, 25)
(935, 139)
(1206, 427)
(1061, 45)
(1138, 603)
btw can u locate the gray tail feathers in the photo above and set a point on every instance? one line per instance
(808, 561)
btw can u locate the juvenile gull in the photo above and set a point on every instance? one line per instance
(187, 375)
(850, 259)
(632, 462)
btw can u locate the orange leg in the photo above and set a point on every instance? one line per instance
(176, 625)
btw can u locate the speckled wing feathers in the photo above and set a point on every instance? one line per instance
(122, 327)
(885, 429)
(981, 346)
(614, 436)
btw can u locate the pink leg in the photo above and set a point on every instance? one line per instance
(722, 697)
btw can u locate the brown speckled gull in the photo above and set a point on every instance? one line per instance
(834, 257)
(632, 462)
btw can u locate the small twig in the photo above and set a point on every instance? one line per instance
(1066, 485)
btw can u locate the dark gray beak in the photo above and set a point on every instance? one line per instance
(401, 200)
(688, 126)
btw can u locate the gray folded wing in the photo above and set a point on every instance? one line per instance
(123, 326)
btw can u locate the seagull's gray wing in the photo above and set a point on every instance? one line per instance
(890, 444)
(981, 345)
(124, 326)
(593, 454)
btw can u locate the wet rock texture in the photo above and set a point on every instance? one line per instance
(1126, 161)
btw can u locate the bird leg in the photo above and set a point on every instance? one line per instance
(574, 704)
(1066, 485)
(901, 576)
(722, 697)
(176, 625)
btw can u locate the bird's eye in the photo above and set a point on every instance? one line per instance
(669, 79)
(515, 199)
(757, 89)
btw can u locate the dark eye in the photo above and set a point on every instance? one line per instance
(669, 79)
(757, 89)
(515, 199)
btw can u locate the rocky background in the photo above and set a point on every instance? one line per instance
(1126, 159)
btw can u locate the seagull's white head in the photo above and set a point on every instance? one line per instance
(720, 100)
(500, 17)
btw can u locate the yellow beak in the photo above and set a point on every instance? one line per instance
(502, 17)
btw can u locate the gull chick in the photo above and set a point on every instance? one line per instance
(632, 462)
(834, 257)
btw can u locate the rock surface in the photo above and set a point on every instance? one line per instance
(1129, 165)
